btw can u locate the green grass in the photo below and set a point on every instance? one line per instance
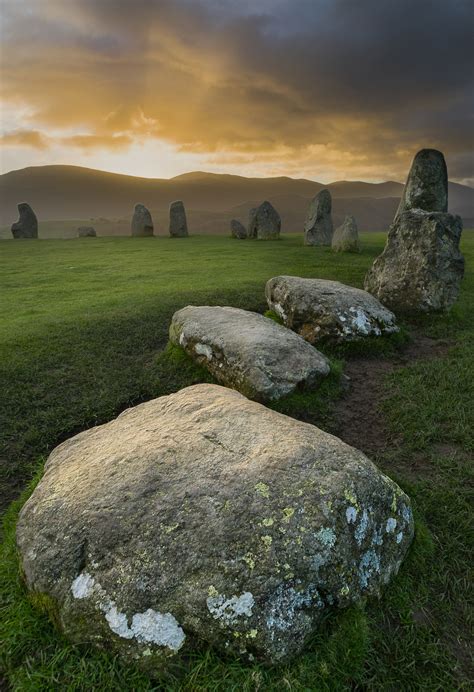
(83, 336)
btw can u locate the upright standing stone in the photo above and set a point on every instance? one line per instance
(27, 224)
(178, 223)
(142, 224)
(265, 222)
(252, 225)
(86, 232)
(318, 227)
(427, 184)
(238, 230)
(346, 237)
(421, 267)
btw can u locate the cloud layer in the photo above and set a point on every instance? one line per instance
(320, 88)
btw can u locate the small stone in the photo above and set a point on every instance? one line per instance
(318, 228)
(264, 222)
(86, 232)
(346, 237)
(27, 224)
(93, 535)
(321, 310)
(142, 224)
(247, 351)
(238, 230)
(178, 224)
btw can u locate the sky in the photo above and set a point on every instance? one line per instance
(320, 89)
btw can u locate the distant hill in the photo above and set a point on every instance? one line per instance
(72, 192)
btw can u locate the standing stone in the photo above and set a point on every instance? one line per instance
(27, 224)
(421, 267)
(178, 223)
(427, 184)
(142, 224)
(318, 227)
(203, 518)
(86, 232)
(346, 237)
(238, 230)
(252, 225)
(265, 222)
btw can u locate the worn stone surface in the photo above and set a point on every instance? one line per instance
(178, 223)
(247, 351)
(421, 267)
(327, 310)
(238, 230)
(264, 222)
(205, 517)
(142, 224)
(27, 224)
(318, 227)
(86, 232)
(346, 236)
(427, 184)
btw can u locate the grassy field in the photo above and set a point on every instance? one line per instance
(82, 336)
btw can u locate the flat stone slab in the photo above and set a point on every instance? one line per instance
(248, 352)
(327, 310)
(205, 518)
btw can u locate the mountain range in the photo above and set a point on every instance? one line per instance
(62, 193)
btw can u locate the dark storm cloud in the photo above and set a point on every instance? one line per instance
(367, 81)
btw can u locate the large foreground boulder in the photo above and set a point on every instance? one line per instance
(205, 517)
(346, 237)
(247, 351)
(27, 224)
(264, 222)
(238, 230)
(86, 232)
(142, 224)
(327, 310)
(421, 267)
(178, 224)
(318, 227)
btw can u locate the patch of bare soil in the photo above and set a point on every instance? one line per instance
(358, 417)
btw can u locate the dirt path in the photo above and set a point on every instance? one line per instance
(358, 418)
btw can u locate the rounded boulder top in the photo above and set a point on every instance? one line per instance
(427, 183)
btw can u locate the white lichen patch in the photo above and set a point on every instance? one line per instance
(83, 585)
(158, 628)
(326, 536)
(399, 537)
(361, 529)
(351, 515)
(391, 525)
(369, 565)
(203, 350)
(118, 622)
(286, 604)
(228, 610)
(360, 321)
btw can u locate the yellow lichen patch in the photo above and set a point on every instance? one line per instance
(267, 522)
(267, 540)
(249, 560)
(169, 529)
(351, 497)
(212, 591)
(262, 489)
(288, 513)
(394, 503)
(252, 634)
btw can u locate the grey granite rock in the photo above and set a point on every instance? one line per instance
(86, 232)
(346, 237)
(142, 224)
(178, 224)
(27, 224)
(238, 230)
(318, 228)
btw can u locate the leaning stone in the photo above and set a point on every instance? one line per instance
(238, 230)
(318, 227)
(205, 518)
(427, 184)
(265, 223)
(421, 267)
(86, 232)
(247, 351)
(27, 224)
(346, 237)
(322, 310)
(178, 224)
(142, 224)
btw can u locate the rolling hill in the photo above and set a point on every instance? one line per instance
(61, 193)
